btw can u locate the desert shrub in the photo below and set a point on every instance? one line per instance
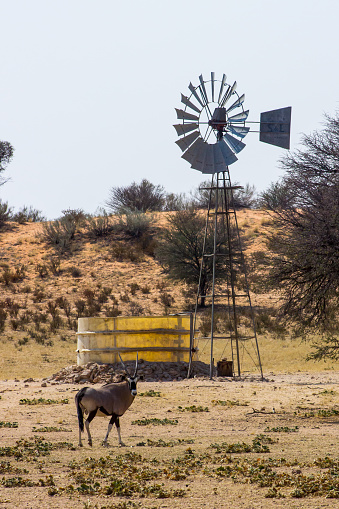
(141, 197)
(99, 226)
(122, 252)
(166, 300)
(13, 307)
(24, 319)
(27, 214)
(147, 244)
(54, 265)
(3, 316)
(124, 297)
(134, 224)
(56, 322)
(38, 318)
(177, 201)
(134, 287)
(42, 270)
(8, 276)
(63, 303)
(75, 272)
(75, 216)
(135, 308)
(103, 295)
(59, 233)
(5, 213)
(243, 197)
(38, 294)
(279, 195)
(14, 324)
(80, 306)
(112, 311)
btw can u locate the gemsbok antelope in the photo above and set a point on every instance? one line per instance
(112, 399)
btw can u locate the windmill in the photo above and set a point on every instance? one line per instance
(211, 132)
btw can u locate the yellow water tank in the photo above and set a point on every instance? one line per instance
(155, 338)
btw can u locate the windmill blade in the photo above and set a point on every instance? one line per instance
(185, 128)
(237, 103)
(212, 85)
(185, 100)
(222, 102)
(228, 94)
(193, 150)
(209, 161)
(203, 89)
(228, 155)
(235, 145)
(240, 117)
(194, 92)
(184, 115)
(219, 161)
(199, 160)
(238, 130)
(186, 141)
(223, 81)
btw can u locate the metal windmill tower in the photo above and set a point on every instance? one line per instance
(213, 125)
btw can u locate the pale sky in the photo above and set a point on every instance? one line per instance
(88, 88)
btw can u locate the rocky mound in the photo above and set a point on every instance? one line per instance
(106, 373)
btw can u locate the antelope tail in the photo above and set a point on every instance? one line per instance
(78, 398)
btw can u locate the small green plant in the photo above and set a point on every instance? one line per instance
(228, 402)
(162, 443)
(151, 394)
(155, 422)
(4, 424)
(48, 429)
(42, 401)
(193, 408)
(281, 429)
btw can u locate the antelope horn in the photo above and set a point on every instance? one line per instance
(136, 367)
(123, 365)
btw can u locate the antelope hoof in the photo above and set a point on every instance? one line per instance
(80, 444)
(90, 442)
(105, 444)
(121, 444)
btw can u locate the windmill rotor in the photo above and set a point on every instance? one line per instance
(212, 124)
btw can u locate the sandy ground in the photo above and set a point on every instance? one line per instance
(250, 406)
